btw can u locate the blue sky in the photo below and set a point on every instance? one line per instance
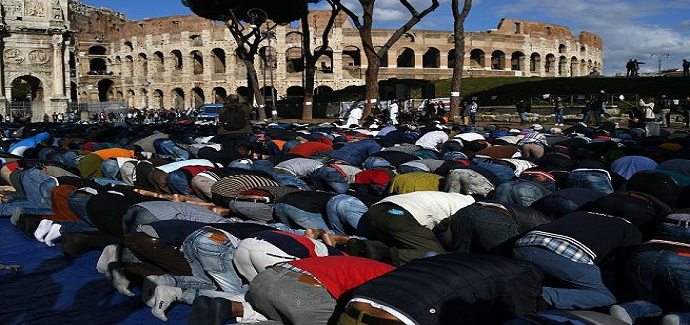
(630, 28)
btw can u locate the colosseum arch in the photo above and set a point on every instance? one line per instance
(498, 59)
(432, 58)
(176, 56)
(219, 94)
(97, 50)
(451, 58)
(534, 62)
(322, 90)
(144, 98)
(97, 66)
(477, 59)
(352, 56)
(550, 64)
(128, 46)
(325, 61)
(384, 57)
(143, 65)
(117, 67)
(268, 92)
(562, 66)
(293, 38)
(73, 92)
(293, 60)
(157, 64)
(516, 61)
(583, 67)
(105, 88)
(177, 95)
(562, 48)
(119, 95)
(219, 65)
(574, 67)
(295, 91)
(158, 99)
(198, 97)
(243, 92)
(131, 98)
(590, 66)
(72, 63)
(197, 62)
(405, 58)
(268, 57)
(128, 66)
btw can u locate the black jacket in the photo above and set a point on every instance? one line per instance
(458, 288)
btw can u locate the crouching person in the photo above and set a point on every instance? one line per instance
(453, 288)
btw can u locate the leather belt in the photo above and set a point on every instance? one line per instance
(369, 319)
(304, 278)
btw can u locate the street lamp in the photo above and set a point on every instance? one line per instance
(660, 57)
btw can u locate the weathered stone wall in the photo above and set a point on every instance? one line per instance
(184, 61)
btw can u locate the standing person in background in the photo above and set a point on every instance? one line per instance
(686, 68)
(685, 110)
(393, 111)
(234, 126)
(523, 108)
(664, 110)
(559, 110)
(355, 114)
(472, 111)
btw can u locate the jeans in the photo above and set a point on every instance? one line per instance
(519, 192)
(473, 118)
(77, 203)
(586, 287)
(344, 213)
(373, 162)
(177, 182)
(597, 117)
(329, 179)
(291, 215)
(661, 278)
(37, 186)
(479, 229)
(679, 227)
(169, 148)
(279, 295)
(110, 169)
(135, 216)
(209, 253)
(597, 180)
(523, 117)
(559, 116)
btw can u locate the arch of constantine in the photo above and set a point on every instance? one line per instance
(70, 53)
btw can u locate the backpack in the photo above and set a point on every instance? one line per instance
(232, 118)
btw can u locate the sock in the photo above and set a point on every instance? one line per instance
(16, 213)
(149, 287)
(43, 229)
(164, 296)
(121, 282)
(53, 235)
(111, 253)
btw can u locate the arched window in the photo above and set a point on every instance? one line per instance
(406, 58)
(432, 58)
(477, 59)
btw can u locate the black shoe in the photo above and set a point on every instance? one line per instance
(355, 247)
(210, 311)
(74, 244)
(378, 251)
(28, 223)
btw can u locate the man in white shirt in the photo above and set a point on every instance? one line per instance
(393, 111)
(355, 114)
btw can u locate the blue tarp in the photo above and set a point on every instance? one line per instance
(54, 289)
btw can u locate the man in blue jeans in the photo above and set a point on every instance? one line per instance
(334, 177)
(567, 249)
(660, 272)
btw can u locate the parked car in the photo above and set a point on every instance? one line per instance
(209, 112)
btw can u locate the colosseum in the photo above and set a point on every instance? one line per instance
(72, 55)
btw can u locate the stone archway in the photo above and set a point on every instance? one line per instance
(27, 96)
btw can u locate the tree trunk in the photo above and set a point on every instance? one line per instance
(458, 66)
(371, 81)
(253, 83)
(308, 110)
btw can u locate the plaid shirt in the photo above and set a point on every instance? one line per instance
(533, 137)
(559, 246)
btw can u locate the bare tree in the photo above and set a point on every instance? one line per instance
(458, 65)
(309, 58)
(373, 56)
